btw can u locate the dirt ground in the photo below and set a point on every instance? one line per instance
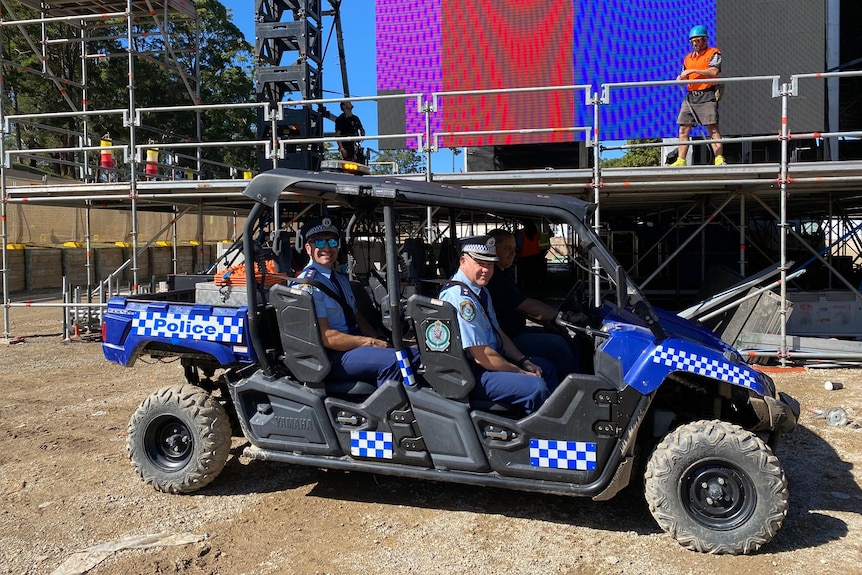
(67, 487)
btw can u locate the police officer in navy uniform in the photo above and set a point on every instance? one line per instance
(355, 350)
(504, 374)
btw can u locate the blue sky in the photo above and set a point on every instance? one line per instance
(357, 19)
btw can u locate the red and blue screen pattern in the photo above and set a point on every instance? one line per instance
(441, 46)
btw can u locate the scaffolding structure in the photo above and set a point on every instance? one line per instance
(291, 110)
(289, 57)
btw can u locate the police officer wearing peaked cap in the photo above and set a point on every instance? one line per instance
(355, 351)
(504, 374)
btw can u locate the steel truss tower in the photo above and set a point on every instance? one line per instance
(289, 64)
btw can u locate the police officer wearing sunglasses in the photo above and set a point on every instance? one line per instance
(355, 350)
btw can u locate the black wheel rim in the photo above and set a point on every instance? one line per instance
(168, 443)
(717, 494)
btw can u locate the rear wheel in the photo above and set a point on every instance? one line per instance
(716, 488)
(179, 439)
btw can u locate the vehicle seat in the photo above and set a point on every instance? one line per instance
(366, 306)
(377, 283)
(447, 261)
(447, 369)
(414, 259)
(283, 252)
(302, 350)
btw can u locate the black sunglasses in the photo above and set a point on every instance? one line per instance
(321, 243)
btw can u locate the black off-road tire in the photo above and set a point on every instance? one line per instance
(716, 488)
(179, 439)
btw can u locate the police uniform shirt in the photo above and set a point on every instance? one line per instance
(325, 305)
(477, 327)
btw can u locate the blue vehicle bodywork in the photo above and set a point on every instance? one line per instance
(220, 332)
(689, 348)
(130, 326)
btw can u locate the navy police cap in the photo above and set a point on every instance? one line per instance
(482, 248)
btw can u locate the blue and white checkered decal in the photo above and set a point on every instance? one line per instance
(178, 326)
(579, 455)
(405, 367)
(377, 444)
(714, 368)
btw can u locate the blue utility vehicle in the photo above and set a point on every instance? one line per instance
(658, 400)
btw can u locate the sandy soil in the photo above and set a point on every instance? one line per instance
(67, 486)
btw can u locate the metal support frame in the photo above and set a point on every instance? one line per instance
(4, 233)
(139, 250)
(596, 100)
(290, 62)
(302, 39)
(83, 21)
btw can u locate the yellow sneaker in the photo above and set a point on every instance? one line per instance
(719, 161)
(678, 163)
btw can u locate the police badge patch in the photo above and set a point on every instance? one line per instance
(467, 310)
(437, 336)
(309, 273)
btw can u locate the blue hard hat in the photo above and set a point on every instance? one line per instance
(697, 32)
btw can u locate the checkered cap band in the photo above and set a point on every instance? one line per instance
(553, 454)
(326, 226)
(481, 248)
(375, 444)
(716, 369)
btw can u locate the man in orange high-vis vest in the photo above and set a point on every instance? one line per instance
(700, 106)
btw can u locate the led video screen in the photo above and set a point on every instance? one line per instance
(428, 46)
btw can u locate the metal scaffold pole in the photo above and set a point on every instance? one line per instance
(428, 108)
(3, 224)
(133, 160)
(743, 225)
(596, 100)
(784, 136)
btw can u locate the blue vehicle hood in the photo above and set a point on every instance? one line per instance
(689, 348)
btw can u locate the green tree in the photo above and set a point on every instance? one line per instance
(637, 157)
(401, 161)
(226, 63)
(209, 56)
(34, 86)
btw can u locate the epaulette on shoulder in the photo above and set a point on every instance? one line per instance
(465, 291)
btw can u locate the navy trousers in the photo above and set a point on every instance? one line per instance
(517, 389)
(539, 342)
(369, 364)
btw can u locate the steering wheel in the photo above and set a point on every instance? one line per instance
(575, 294)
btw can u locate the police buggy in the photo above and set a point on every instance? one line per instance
(659, 400)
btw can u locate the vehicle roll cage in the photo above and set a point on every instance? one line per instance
(274, 186)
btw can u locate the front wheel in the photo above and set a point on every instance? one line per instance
(179, 439)
(716, 488)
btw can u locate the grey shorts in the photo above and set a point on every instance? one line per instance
(693, 113)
